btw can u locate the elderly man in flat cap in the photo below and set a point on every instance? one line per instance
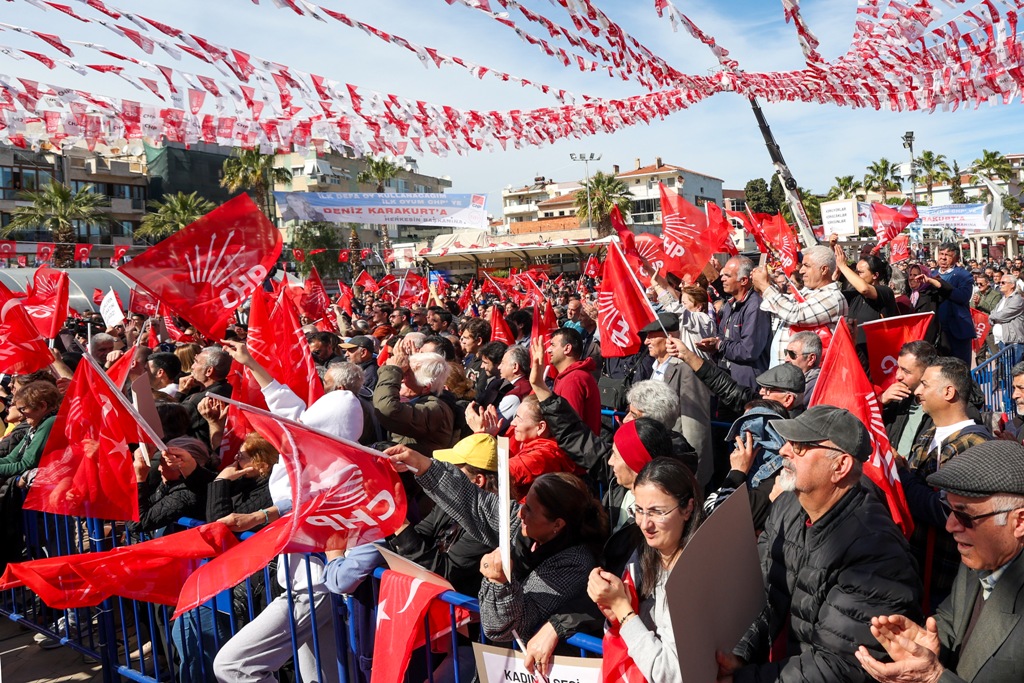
(977, 634)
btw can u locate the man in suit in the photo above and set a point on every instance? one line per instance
(955, 287)
(977, 633)
(1007, 317)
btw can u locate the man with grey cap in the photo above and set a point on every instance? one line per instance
(360, 351)
(977, 633)
(831, 555)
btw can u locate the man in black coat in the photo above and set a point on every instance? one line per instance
(832, 559)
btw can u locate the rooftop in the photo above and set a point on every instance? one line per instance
(655, 169)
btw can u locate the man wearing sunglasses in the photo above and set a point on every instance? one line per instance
(977, 633)
(831, 555)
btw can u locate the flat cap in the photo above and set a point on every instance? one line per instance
(786, 377)
(990, 468)
(827, 423)
(359, 342)
(670, 321)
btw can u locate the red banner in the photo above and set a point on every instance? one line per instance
(899, 249)
(885, 338)
(622, 308)
(47, 301)
(82, 252)
(22, 350)
(982, 327)
(143, 303)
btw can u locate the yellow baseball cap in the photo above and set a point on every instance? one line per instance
(478, 450)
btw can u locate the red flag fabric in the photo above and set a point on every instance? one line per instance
(152, 571)
(648, 247)
(206, 271)
(344, 494)
(899, 249)
(47, 301)
(389, 255)
(44, 251)
(118, 372)
(593, 268)
(22, 350)
(143, 303)
(885, 338)
(173, 331)
(412, 289)
(616, 664)
(783, 242)
(343, 255)
(345, 297)
(499, 328)
(97, 295)
(315, 303)
(889, 222)
(402, 604)
(86, 467)
(314, 252)
(275, 339)
(626, 235)
(466, 298)
(491, 286)
(119, 251)
(8, 248)
(82, 252)
(622, 308)
(685, 243)
(842, 383)
(298, 255)
(365, 253)
(22, 260)
(366, 281)
(982, 327)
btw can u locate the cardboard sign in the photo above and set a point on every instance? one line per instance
(498, 665)
(504, 504)
(110, 309)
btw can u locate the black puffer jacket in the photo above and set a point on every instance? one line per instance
(828, 580)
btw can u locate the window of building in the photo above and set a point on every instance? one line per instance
(670, 182)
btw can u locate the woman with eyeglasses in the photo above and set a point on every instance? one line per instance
(668, 512)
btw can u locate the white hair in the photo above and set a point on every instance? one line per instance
(1008, 502)
(430, 369)
(820, 255)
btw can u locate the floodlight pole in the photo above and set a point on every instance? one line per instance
(586, 159)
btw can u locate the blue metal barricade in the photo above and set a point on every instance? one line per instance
(995, 380)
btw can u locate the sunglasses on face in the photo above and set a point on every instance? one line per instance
(792, 354)
(968, 521)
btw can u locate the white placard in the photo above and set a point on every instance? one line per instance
(110, 309)
(505, 505)
(497, 665)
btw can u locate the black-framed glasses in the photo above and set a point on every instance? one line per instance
(801, 447)
(967, 521)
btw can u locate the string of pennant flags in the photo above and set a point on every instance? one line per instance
(45, 251)
(902, 56)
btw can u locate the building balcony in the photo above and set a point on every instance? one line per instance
(520, 209)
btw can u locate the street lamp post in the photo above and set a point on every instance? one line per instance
(908, 143)
(586, 159)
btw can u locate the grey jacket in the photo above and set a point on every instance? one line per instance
(1010, 314)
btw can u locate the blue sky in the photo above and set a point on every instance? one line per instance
(717, 136)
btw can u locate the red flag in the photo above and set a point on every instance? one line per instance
(344, 494)
(899, 249)
(842, 383)
(783, 242)
(885, 338)
(623, 309)
(648, 247)
(389, 255)
(315, 302)
(298, 255)
(97, 295)
(47, 301)
(366, 281)
(118, 372)
(22, 260)
(401, 607)
(44, 251)
(345, 297)
(314, 252)
(119, 251)
(82, 252)
(889, 222)
(412, 288)
(616, 664)
(143, 303)
(22, 350)
(982, 327)
(686, 246)
(626, 235)
(343, 255)
(8, 248)
(172, 329)
(385, 353)
(365, 253)
(466, 298)
(499, 328)
(206, 271)
(389, 283)
(276, 341)
(593, 267)
(86, 467)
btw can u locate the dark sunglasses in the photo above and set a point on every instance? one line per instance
(967, 521)
(793, 354)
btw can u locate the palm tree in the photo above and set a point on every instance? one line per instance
(605, 191)
(932, 168)
(56, 208)
(992, 164)
(379, 171)
(881, 176)
(956, 190)
(845, 188)
(251, 170)
(172, 214)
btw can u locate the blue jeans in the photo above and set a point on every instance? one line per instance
(187, 632)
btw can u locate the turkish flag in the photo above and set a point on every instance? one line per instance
(97, 295)
(389, 255)
(899, 249)
(889, 222)
(982, 327)
(298, 255)
(8, 248)
(206, 271)
(344, 255)
(842, 383)
(82, 252)
(593, 267)
(47, 301)
(23, 260)
(466, 298)
(365, 253)
(412, 288)
(86, 467)
(314, 252)
(44, 251)
(616, 664)
(402, 605)
(119, 251)
(143, 303)
(499, 328)
(626, 235)
(885, 338)
(22, 350)
(344, 494)
(275, 339)
(366, 281)
(623, 310)
(152, 571)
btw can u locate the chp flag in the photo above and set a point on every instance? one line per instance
(623, 310)
(885, 338)
(982, 328)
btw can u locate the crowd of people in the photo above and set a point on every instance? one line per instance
(603, 506)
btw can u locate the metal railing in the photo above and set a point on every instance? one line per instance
(995, 380)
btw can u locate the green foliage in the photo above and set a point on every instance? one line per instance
(956, 194)
(931, 169)
(812, 205)
(250, 170)
(378, 172)
(311, 235)
(606, 191)
(1014, 209)
(778, 194)
(56, 208)
(992, 165)
(845, 188)
(881, 177)
(173, 213)
(758, 198)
